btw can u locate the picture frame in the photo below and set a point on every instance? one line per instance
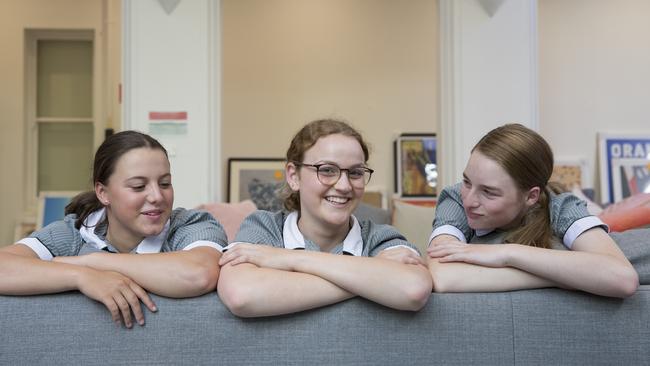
(572, 172)
(416, 170)
(257, 179)
(624, 160)
(51, 206)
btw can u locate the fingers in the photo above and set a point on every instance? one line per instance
(230, 257)
(124, 305)
(144, 297)
(450, 258)
(225, 258)
(124, 309)
(114, 310)
(134, 304)
(238, 260)
(445, 253)
(232, 254)
(442, 250)
(402, 255)
(242, 253)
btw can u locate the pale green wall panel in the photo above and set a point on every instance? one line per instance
(64, 87)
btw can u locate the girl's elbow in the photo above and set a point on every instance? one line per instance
(203, 279)
(629, 283)
(236, 298)
(418, 293)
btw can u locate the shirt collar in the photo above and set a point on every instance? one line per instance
(293, 238)
(483, 232)
(150, 244)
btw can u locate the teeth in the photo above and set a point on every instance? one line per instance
(337, 199)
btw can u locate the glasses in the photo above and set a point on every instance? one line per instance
(329, 174)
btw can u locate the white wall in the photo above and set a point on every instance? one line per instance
(171, 65)
(594, 73)
(287, 62)
(488, 77)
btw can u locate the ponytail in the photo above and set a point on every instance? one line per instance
(83, 205)
(536, 230)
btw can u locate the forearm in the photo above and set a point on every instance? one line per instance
(250, 291)
(598, 273)
(174, 274)
(390, 283)
(465, 277)
(21, 275)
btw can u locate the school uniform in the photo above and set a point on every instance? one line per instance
(280, 230)
(569, 219)
(185, 229)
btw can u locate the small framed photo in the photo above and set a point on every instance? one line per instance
(624, 165)
(51, 206)
(416, 169)
(257, 179)
(572, 172)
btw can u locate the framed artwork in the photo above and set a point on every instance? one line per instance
(572, 172)
(257, 179)
(416, 170)
(624, 165)
(51, 206)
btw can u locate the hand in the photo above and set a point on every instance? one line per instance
(259, 255)
(120, 294)
(402, 255)
(494, 255)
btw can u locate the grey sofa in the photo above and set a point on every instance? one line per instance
(546, 326)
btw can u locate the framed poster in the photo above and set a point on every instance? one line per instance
(416, 170)
(257, 179)
(624, 165)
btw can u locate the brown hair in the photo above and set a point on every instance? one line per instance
(528, 159)
(106, 157)
(305, 139)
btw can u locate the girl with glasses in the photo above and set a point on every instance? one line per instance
(122, 239)
(316, 252)
(514, 218)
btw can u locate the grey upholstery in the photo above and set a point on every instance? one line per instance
(367, 212)
(549, 326)
(546, 326)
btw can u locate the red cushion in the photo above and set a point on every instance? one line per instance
(629, 213)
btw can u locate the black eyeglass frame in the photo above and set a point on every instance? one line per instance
(341, 170)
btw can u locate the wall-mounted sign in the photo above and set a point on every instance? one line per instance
(168, 123)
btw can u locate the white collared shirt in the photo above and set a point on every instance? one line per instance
(261, 227)
(151, 244)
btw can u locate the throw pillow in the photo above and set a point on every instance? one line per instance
(414, 222)
(229, 215)
(632, 212)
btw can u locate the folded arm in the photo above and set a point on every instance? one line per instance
(388, 282)
(468, 277)
(23, 273)
(250, 291)
(595, 265)
(182, 273)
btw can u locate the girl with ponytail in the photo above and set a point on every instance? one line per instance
(514, 218)
(122, 239)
